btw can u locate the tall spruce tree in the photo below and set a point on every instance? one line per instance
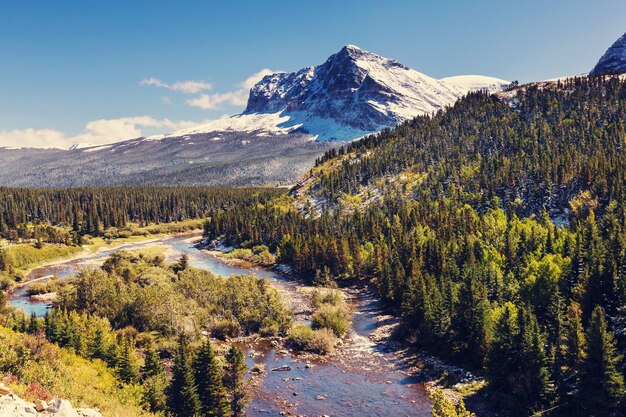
(151, 365)
(602, 390)
(235, 381)
(182, 394)
(536, 387)
(126, 362)
(208, 378)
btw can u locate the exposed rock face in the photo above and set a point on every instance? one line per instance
(355, 88)
(13, 406)
(614, 59)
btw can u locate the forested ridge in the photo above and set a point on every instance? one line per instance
(495, 229)
(91, 211)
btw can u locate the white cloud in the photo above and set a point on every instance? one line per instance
(188, 87)
(255, 78)
(96, 132)
(105, 131)
(33, 138)
(237, 97)
(214, 101)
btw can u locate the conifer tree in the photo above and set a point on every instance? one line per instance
(182, 394)
(537, 388)
(502, 362)
(602, 388)
(208, 378)
(96, 347)
(33, 324)
(470, 322)
(151, 365)
(573, 345)
(235, 381)
(126, 362)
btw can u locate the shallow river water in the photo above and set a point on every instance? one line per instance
(362, 380)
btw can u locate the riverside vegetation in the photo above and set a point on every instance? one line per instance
(134, 318)
(495, 229)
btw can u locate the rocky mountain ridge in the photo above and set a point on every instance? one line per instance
(614, 59)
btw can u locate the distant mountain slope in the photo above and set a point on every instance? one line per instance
(614, 59)
(288, 122)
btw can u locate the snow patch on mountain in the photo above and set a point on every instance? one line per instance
(265, 123)
(477, 83)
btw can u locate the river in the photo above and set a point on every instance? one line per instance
(362, 379)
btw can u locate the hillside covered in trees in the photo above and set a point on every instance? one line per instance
(55, 215)
(495, 229)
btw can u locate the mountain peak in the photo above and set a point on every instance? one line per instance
(614, 59)
(356, 90)
(350, 47)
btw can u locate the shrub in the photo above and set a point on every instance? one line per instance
(322, 341)
(224, 328)
(325, 296)
(299, 336)
(332, 317)
(271, 328)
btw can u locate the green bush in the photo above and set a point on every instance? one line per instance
(224, 328)
(326, 296)
(322, 341)
(333, 317)
(300, 336)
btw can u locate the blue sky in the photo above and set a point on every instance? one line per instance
(72, 70)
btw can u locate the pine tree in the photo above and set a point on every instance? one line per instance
(502, 365)
(182, 394)
(573, 346)
(151, 365)
(97, 348)
(126, 362)
(182, 264)
(235, 381)
(602, 386)
(470, 322)
(208, 378)
(534, 378)
(33, 324)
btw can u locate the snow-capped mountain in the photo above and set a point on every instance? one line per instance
(354, 88)
(290, 119)
(614, 59)
(353, 93)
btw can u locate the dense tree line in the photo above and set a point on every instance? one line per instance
(90, 211)
(496, 229)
